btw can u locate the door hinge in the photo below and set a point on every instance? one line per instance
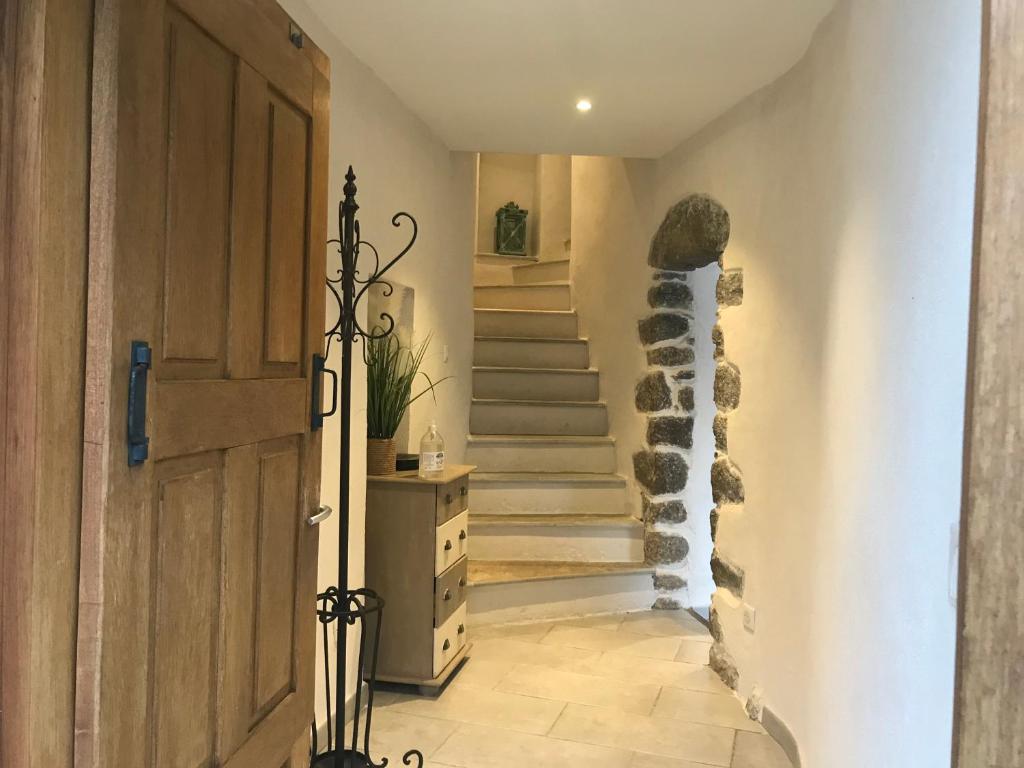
(295, 35)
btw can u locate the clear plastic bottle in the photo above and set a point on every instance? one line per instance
(432, 453)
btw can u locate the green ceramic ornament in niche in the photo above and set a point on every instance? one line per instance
(510, 232)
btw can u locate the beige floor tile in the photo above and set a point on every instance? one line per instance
(393, 733)
(539, 654)
(554, 684)
(754, 750)
(694, 651)
(609, 621)
(469, 704)
(620, 641)
(620, 666)
(642, 760)
(483, 673)
(667, 623)
(476, 746)
(707, 708)
(653, 735)
(529, 633)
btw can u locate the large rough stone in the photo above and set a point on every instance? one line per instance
(665, 548)
(652, 393)
(693, 234)
(718, 339)
(729, 290)
(671, 276)
(666, 603)
(726, 482)
(669, 581)
(726, 574)
(686, 398)
(724, 666)
(663, 511)
(671, 294)
(720, 428)
(660, 472)
(670, 430)
(714, 525)
(670, 356)
(715, 625)
(663, 326)
(684, 375)
(727, 386)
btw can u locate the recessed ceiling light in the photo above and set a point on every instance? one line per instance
(584, 105)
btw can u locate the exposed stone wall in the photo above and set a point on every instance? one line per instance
(693, 235)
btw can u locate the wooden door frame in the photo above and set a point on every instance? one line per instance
(988, 725)
(45, 57)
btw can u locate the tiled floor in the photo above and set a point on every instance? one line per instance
(627, 691)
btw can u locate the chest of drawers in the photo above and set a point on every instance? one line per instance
(417, 542)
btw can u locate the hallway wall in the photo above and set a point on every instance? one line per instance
(401, 166)
(850, 187)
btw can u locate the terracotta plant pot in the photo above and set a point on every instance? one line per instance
(380, 456)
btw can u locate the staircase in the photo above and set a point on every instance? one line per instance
(550, 528)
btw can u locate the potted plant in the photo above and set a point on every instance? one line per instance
(391, 370)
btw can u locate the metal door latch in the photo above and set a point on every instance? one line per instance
(138, 442)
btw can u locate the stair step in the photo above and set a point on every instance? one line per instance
(545, 453)
(513, 383)
(527, 417)
(554, 271)
(531, 353)
(548, 493)
(546, 297)
(575, 538)
(515, 591)
(525, 324)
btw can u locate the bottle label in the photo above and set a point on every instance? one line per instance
(432, 462)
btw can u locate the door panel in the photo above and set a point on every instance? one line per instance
(199, 572)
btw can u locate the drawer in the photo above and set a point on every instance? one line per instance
(451, 543)
(450, 591)
(449, 639)
(452, 498)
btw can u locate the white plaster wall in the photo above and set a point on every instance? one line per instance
(614, 214)
(505, 177)
(401, 166)
(850, 187)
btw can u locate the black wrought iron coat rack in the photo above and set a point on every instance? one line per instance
(339, 604)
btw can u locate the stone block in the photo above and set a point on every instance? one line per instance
(663, 326)
(718, 339)
(726, 482)
(715, 625)
(727, 386)
(652, 393)
(663, 511)
(669, 581)
(720, 428)
(670, 430)
(670, 294)
(724, 666)
(660, 472)
(686, 399)
(666, 603)
(693, 234)
(665, 548)
(729, 290)
(670, 356)
(726, 574)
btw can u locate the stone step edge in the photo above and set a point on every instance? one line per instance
(538, 478)
(526, 311)
(542, 439)
(542, 339)
(526, 286)
(561, 520)
(541, 403)
(520, 369)
(565, 570)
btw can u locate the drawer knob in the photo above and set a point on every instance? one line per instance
(447, 645)
(448, 498)
(447, 544)
(447, 594)
(462, 581)
(462, 535)
(462, 628)
(463, 491)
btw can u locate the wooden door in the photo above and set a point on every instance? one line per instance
(207, 222)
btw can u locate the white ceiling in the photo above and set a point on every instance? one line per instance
(505, 75)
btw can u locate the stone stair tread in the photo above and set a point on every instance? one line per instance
(544, 439)
(527, 286)
(554, 520)
(541, 403)
(549, 477)
(541, 339)
(483, 572)
(523, 311)
(519, 369)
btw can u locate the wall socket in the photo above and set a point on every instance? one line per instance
(749, 618)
